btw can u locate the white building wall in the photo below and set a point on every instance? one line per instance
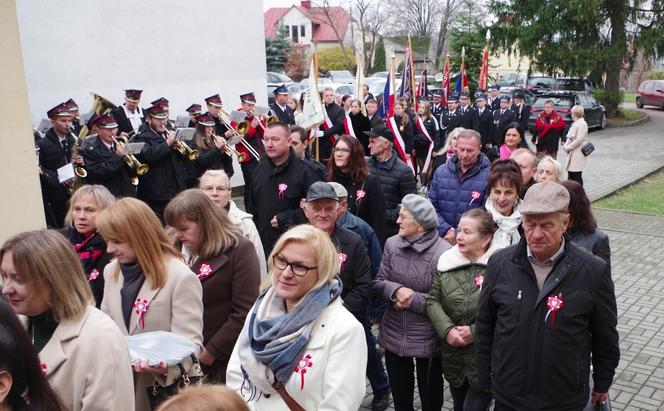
(295, 17)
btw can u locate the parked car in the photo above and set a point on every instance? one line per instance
(563, 101)
(574, 84)
(341, 76)
(651, 93)
(279, 78)
(528, 95)
(380, 74)
(340, 89)
(511, 81)
(541, 84)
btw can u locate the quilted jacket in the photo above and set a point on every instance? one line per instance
(453, 301)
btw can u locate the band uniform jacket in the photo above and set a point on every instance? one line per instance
(521, 115)
(470, 117)
(124, 125)
(176, 307)
(485, 122)
(285, 116)
(494, 103)
(501, 118)
(108, 169)
(167, 174)
(448, 122)
(437, 109)
(52, 156)
(86, 361)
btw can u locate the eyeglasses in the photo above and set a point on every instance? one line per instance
(213, 188)
(297, 269)
(341, 150)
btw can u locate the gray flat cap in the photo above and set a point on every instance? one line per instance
(544, 198)
(422, 210)
(320, 190)
(339, 189)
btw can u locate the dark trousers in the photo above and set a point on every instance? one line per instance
(575, 176)
(247, 174)
(467, 399)
(402, 381)
(501, 407)
(375, 370)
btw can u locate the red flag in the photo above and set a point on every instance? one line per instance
(484, 71)
(446, 80)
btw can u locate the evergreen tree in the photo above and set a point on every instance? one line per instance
(379, 58)
(275, 50)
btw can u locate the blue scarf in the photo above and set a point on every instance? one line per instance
(277, 341)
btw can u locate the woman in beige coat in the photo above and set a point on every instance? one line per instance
(148, 287)
(82, 353)
(576, 138)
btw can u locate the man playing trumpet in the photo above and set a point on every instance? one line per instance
(105, 160)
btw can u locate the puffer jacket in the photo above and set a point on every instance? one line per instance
(453, 301)
(409, 333)
(452, 195)
(397, 180)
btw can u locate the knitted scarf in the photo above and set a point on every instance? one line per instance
(508, 226)
(276, 338)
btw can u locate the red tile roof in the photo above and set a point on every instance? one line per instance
(322, 31)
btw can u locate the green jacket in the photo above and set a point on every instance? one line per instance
(453, 301)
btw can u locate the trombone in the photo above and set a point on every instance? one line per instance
(241, 129)
(269, 118)
(241, 157)
(130, 159)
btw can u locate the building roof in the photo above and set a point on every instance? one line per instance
(322, 31)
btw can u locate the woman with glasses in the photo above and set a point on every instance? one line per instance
(299, 345)
(217, 186)
(348, 167)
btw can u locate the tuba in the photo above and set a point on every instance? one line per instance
(100, 106)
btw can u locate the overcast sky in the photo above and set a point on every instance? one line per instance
(286, 3)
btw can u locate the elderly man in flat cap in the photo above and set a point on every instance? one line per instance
(547, 309)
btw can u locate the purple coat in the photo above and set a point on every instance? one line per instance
(409, 333)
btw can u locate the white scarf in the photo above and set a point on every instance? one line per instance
(507, 233)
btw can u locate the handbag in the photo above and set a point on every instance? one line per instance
(159, 393)
(290, 402)
(587, 148)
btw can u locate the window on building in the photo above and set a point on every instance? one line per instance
(302, 31)
(294, 34)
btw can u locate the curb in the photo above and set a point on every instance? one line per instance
(632, 123)
(636, 181)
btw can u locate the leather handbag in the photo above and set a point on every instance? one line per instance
(159, 393)
(290, 402)
(587, 148)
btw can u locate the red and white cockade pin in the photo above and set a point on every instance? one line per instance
(475, 195)
(141, 307)
(359, 195)
(301, 368)
(342, 260)
(204, 271)
(94, 274)
(553, 303)
(479, 280)
(43, 367)
(282, 190)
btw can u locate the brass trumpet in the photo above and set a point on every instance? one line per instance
(229, 150)
(130, 159)
(185, 150)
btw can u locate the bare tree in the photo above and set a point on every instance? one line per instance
(416, 17)
(328, 15)
(370, 18)
(447, 10)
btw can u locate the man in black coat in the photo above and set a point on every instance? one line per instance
(280, 106)
(437, 106)
(494, 99)
(56, 151)
(167, 174)
(367, 95)
(372, 113)
(449, 120)
(104, 160)
(521, 112)
(396, 178)
(546, 309)
(321, 209)
(129, 116)
(485, 122)
(501, 118)
(470, 115)
(332, 127)
(279, 182)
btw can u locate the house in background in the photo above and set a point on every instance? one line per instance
(307, 24)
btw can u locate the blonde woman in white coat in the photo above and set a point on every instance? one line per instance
(82, 353)
(147, 287)
(217, 186)
(576, 138)
(299, 345)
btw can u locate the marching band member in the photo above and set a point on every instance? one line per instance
(55, 151)
(129, 116)
(166, 177)
(214, 107)
(104, 160)
(75, 116)
(253, 137)
(213, 156)
(280, 106)
(161, 101)
(194, 111)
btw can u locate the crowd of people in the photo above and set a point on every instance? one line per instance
(493, 276)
